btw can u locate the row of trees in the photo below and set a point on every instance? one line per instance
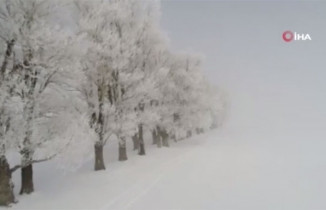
(92, 70)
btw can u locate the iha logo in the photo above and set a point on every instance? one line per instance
(288, 36)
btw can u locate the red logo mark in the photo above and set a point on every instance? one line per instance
(288, 36)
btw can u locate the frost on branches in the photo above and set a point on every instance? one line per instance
(32, 90)
(103, 71)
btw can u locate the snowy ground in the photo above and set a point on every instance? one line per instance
(219, 170)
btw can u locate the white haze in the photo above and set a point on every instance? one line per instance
(271, 83)
(277, 91)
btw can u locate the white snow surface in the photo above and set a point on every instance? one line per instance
(219, 170)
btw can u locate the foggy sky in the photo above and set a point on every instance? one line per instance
(271, 83)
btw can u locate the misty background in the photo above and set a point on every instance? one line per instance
(277, 92)
(270, 82)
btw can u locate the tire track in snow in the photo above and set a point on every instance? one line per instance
(126, 199)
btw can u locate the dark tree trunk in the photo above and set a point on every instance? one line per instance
(141, 150)
(122, 153)
(189, 133)
(214, 126)
(99, 161)
(174, 138)
(27, 180)
(135, 141)
(165, 142)
(159, 141)
(6, 187)
(27, 184)
(199, 130)
(165, 138)
(159, 136)
(8, 53)
(155, 136)
(122, 150)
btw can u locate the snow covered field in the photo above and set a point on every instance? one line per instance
(228, 169)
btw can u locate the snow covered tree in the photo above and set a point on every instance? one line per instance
(185, 103)
(152, 44)
(115, 84)
(9, 114)
(38, 60)
(94, 21)
(118, 66)
(124, 85)
(10, 134)
(9, 107)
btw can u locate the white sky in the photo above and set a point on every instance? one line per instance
(270, 82)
